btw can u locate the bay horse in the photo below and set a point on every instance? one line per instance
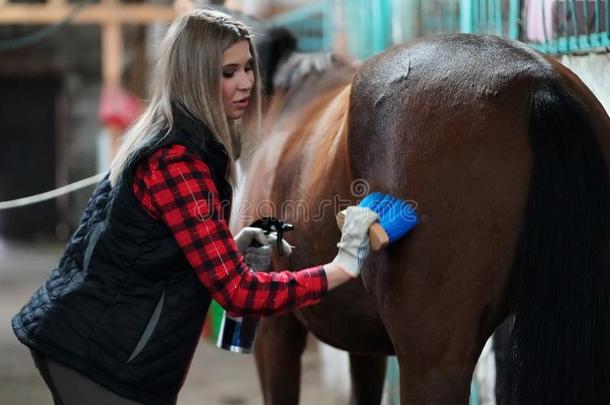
(506, 154)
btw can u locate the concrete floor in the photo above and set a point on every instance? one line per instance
(233, 381)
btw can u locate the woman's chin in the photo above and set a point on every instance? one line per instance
(235, 115)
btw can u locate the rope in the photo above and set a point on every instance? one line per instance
(33, 199)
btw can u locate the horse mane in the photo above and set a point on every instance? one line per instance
(299, 65)
(274, 46)
(302, 78)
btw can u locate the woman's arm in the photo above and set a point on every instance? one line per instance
(177, 188)
(335, 275)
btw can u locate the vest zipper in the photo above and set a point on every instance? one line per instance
(150, 328)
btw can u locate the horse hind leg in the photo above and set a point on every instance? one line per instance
(280, 342)
(367, 375)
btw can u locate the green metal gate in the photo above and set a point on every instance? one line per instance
(366, 27)
(552, 26)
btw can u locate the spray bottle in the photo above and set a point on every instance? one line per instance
(237, 333)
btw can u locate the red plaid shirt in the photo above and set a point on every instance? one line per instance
(176, 187)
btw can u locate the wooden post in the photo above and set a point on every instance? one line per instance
(112, 57)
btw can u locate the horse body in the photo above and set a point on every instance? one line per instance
(496, 145)
(456, 144)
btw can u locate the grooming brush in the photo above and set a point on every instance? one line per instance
(396, 218)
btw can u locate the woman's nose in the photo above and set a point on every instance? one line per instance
(246, 82)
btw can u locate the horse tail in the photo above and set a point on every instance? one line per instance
(561, 281)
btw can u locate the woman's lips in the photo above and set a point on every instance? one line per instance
(242, 102)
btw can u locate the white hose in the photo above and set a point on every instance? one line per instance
(33, 199)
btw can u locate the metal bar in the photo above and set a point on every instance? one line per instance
(384, 27)
(514, 14)
(490, 17)
(585, 11)
(444, 17)
(374, 18)
(476, 16)
(607, 19)
(596, 34)
(555, 35)
(598, 17)
(441, 25)
(354, 40)
(566, 27)
(327, 25)
(466, 21)
(346, 36)
(358, 44)
(455, 12)
(499, 18)
(483, 15)
(574, 21)
(365, 34)
(361, 45)
(543, 17)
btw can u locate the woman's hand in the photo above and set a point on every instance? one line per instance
(247, 235)
(259, 257)
(354, 246)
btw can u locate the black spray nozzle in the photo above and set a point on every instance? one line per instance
(271, 224)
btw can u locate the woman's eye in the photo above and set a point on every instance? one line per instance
(227, 74)
(248, 67)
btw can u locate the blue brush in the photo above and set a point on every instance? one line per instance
(396, 218)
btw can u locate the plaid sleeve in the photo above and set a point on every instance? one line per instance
(176, 187)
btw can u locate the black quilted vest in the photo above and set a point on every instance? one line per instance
(123, 306)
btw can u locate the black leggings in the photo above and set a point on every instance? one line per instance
(69, 387)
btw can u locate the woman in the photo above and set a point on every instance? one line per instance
(118, 320)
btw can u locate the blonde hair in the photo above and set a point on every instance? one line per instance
(188, 72)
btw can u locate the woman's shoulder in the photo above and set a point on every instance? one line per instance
(174, 154)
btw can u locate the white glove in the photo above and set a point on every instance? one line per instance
(244, 238)
(354, 246)
(259, 257)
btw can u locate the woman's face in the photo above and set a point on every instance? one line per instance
(237, 79)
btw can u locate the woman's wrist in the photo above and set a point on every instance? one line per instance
(335, 275)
